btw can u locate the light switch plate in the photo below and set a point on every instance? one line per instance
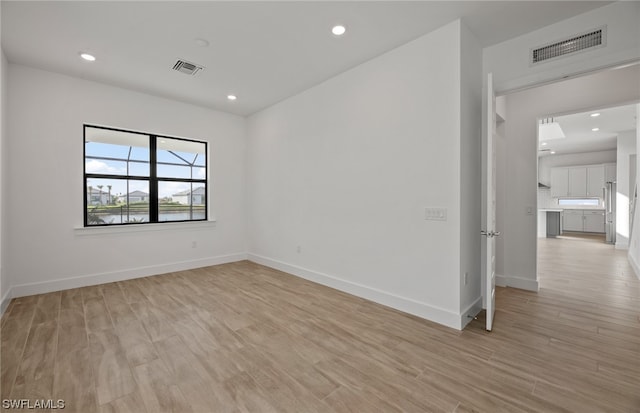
(435, 214)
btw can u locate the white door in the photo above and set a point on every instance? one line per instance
(490, 232)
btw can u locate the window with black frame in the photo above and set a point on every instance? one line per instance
(135, 178)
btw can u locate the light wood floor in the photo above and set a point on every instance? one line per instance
(244, 338)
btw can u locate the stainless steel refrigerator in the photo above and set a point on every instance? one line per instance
(610, 212)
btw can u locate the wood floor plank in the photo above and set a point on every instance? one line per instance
(73, 381)
(158, 392)
(153, 321)
(71, 299)
(16, 324)
(113, 377)
(47, 307)
(96, 313)
(130, 403)
(247, 396)
(34, 378)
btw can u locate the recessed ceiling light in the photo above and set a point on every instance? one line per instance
(202, 42)
(595, 115)
(544, 143)
(338, 30)
(232, 97)
(552, 152)
(87, 57)
(595, 129)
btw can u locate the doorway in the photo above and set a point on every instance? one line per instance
(585, 161)
(517, 248)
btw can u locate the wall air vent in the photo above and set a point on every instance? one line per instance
(188, 68)
(588, 40)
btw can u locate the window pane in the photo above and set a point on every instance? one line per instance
(99, 166)
(177, 158)
(578, 202)
(181, 201)
(117, 201)
(110, 152)
(174, 171)
(138, 169)
(199, 173)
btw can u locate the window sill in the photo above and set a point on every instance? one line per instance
(164, 226)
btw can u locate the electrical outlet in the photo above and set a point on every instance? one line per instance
(435, 214)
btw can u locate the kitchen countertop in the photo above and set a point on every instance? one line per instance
(551, 210)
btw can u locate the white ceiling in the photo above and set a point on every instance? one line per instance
(262, 51)
(579, 134)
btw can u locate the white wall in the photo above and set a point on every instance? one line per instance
(608, 88)
(545, 163)
(4, 283)
(44, 196)
(509, 60)
(634, 245)
(339, 177)
(626, 148)
(470, 167)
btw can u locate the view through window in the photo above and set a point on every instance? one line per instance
(133, 178)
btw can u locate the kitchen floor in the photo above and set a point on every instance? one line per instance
(581, 263)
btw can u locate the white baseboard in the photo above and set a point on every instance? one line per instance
(517, 282)
(4, 303)
(107, 277)
(634, 265)
(407, 305)
(470, 312)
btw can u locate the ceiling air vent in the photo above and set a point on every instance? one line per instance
(188, 68)
(591, 39)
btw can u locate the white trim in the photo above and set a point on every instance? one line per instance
(517, 282)
(408, 305)
(101, 278)
(634, 265)
(5, 301)
(470, 312)
(161, 226)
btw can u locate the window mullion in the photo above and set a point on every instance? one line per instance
(153, 180)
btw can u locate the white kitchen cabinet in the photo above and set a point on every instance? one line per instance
(559, 182)
(581, 181)
(572, 220)
(583, 220)
(577, 182)
(595, 181)
(594, 221)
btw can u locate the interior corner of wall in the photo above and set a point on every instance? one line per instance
(520, 283)
(4, 301)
